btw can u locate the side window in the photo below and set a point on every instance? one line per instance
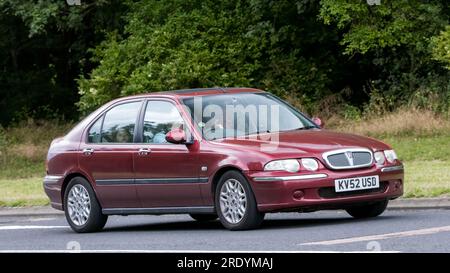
(94, 133)
(119, 123)
(160, 117)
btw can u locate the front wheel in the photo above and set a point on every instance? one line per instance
(82, 210)
(235, 203)
(368, 211)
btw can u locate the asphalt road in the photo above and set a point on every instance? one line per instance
(329, 231)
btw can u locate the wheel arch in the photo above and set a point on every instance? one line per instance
(218, 174)
(66, 181)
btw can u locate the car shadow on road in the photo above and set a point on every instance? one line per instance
(288, 223)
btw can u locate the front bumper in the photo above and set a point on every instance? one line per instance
(312, 191)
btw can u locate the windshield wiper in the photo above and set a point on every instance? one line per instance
(296, 129)
(305, 128)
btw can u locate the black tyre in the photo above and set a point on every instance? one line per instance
(368, 211)
(235, 203)
(81, 207)
(204, 217)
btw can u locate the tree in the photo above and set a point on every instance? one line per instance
(394, 37)
(43, 49)
(275, 45)
(441, 47)
(320, 53)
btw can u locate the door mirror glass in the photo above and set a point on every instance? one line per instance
(176, 136)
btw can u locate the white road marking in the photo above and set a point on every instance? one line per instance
(417, 232)
(30, 227)
(39, 219)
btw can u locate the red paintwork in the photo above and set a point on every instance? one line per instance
(122, 161)
(168, 161)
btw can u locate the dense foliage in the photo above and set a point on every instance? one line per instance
(441, 47)
(319, 54)
(44, 49)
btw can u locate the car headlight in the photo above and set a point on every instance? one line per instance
(391, 156)
(310, 164)
(289, 165)
(379, 158)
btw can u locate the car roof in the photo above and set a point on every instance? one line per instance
(196, 92)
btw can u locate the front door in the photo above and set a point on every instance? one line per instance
(107, 156)
(166, 174)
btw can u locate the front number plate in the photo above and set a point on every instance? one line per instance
(357, 183)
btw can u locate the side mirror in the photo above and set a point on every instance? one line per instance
(176, 136)
(318, 122)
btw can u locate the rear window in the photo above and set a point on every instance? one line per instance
(117, 125)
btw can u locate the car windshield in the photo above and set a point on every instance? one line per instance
(243, 114)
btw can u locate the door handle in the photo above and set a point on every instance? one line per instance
(144, 151)
(88, 151)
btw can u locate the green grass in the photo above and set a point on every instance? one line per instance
(23, 149)
(22, 154)
(424, 148)
(427, 163)
(22, 192)
(16, 166)
(427, 178)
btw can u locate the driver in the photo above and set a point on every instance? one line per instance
(160, 137)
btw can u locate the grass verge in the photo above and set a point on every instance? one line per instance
(22, 192)
(427, 178)
(427, 163)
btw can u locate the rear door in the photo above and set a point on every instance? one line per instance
(107, 155)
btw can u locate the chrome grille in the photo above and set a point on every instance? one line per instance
(348, 158)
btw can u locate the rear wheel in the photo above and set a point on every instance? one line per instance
(235, 202)
(82, 210)
(368, 211)
(204, 217)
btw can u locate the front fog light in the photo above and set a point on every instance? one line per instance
(391, 156)
(379, 158)
(310, 164)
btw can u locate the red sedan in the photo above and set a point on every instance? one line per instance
(228, 153)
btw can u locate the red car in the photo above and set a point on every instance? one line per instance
(228, 153)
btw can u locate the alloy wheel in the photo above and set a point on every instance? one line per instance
(79, 205)
(233, 201)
